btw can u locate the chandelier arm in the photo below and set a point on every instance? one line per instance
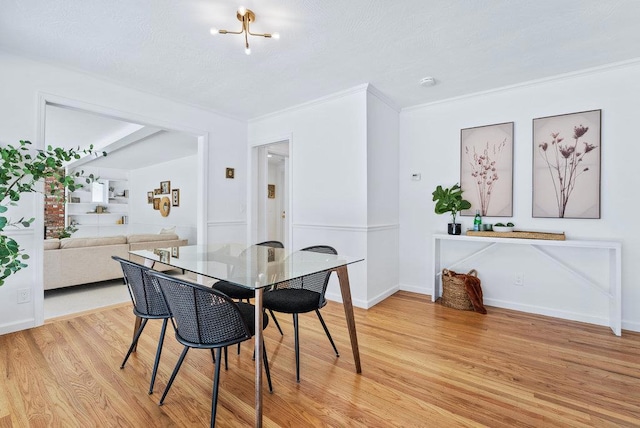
(267, 35)
(230, 32)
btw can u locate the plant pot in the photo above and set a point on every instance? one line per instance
(454, 228)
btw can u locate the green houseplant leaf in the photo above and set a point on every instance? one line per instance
(21, 168)
(449, 200)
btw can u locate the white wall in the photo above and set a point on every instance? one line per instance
(182, 173)
(382, 197)
(344, 156)
(328, 155)
(25, 82)
(430, 145)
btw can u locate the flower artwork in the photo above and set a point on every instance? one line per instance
(487, 169)
(566, 182)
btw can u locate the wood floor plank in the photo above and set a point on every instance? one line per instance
(424, 365)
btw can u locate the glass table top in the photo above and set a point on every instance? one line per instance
(252, 267)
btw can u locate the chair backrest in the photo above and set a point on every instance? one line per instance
(316, 282)
(146, 296)
(272, 244)
(201, 315)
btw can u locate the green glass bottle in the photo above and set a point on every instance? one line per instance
(477, 221)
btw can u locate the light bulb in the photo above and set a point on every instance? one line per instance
(247, 51)
(242, 10)
(275, 35)
(214, 31)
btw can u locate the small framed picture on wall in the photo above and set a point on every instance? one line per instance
(175, 197)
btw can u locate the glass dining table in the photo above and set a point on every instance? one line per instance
(258, 268)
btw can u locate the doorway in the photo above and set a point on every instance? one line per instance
(64, 122)
(271, 193)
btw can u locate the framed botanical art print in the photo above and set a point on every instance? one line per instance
(175, 197)
(566, 165)
(165, 187)
(486, 169)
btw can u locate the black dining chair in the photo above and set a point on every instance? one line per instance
(246, 294)
(205, 318)
(148, 303)
(302, 295)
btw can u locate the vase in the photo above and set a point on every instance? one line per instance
(454, 228)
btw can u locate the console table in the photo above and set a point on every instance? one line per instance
(614, 249)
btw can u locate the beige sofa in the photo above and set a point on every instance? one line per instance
(74, 261)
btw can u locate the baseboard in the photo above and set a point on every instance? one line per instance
(17, 326)
(631, 326)
(572, 316)
(415, 289)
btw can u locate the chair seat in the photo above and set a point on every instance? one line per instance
(234, 291)
(291, 300)
(248, 313)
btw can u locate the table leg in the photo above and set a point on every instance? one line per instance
(258, 355)
(345, 289)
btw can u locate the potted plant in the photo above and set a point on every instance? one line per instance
(450, 200)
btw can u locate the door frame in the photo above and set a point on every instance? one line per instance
(257, 193)
(45, 99)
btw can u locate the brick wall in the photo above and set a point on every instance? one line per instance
(53, 210)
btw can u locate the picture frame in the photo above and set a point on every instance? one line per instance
(74, 200)
(175, 252)
(150, 197)
(271, 191)
(486, 169)
(165, 187)
(156, 203)
(230, 173)
(164, 256)
(156, 192)
(567, 151)
(175, 197)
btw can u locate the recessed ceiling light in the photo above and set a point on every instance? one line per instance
(427, 81)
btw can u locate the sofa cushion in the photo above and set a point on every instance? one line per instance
(51, 244)
(92, 242)
(168, 231)
(150, 237)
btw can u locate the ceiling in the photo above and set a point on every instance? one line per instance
(164, 46)
(128, 145)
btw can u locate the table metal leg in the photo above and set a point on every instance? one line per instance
(258, 353)
(343, 277)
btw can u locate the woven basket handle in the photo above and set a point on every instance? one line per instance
(473, 272)
(446, 272)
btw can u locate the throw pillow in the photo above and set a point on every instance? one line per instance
(168, 231)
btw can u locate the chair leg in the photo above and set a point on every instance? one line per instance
(297, 346)
(226, 362)
(214, 395)
(158, 353)
(173, 375)
(135, 342)
(275, 320)
(266, 367)
(326, 330)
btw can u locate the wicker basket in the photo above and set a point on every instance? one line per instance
(454, 294)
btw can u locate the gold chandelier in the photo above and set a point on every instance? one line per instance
(246, 16)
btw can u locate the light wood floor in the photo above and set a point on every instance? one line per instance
(423, 366)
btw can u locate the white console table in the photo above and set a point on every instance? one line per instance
(614, 249)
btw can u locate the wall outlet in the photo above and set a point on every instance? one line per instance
(24, 295)
(519, 281)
